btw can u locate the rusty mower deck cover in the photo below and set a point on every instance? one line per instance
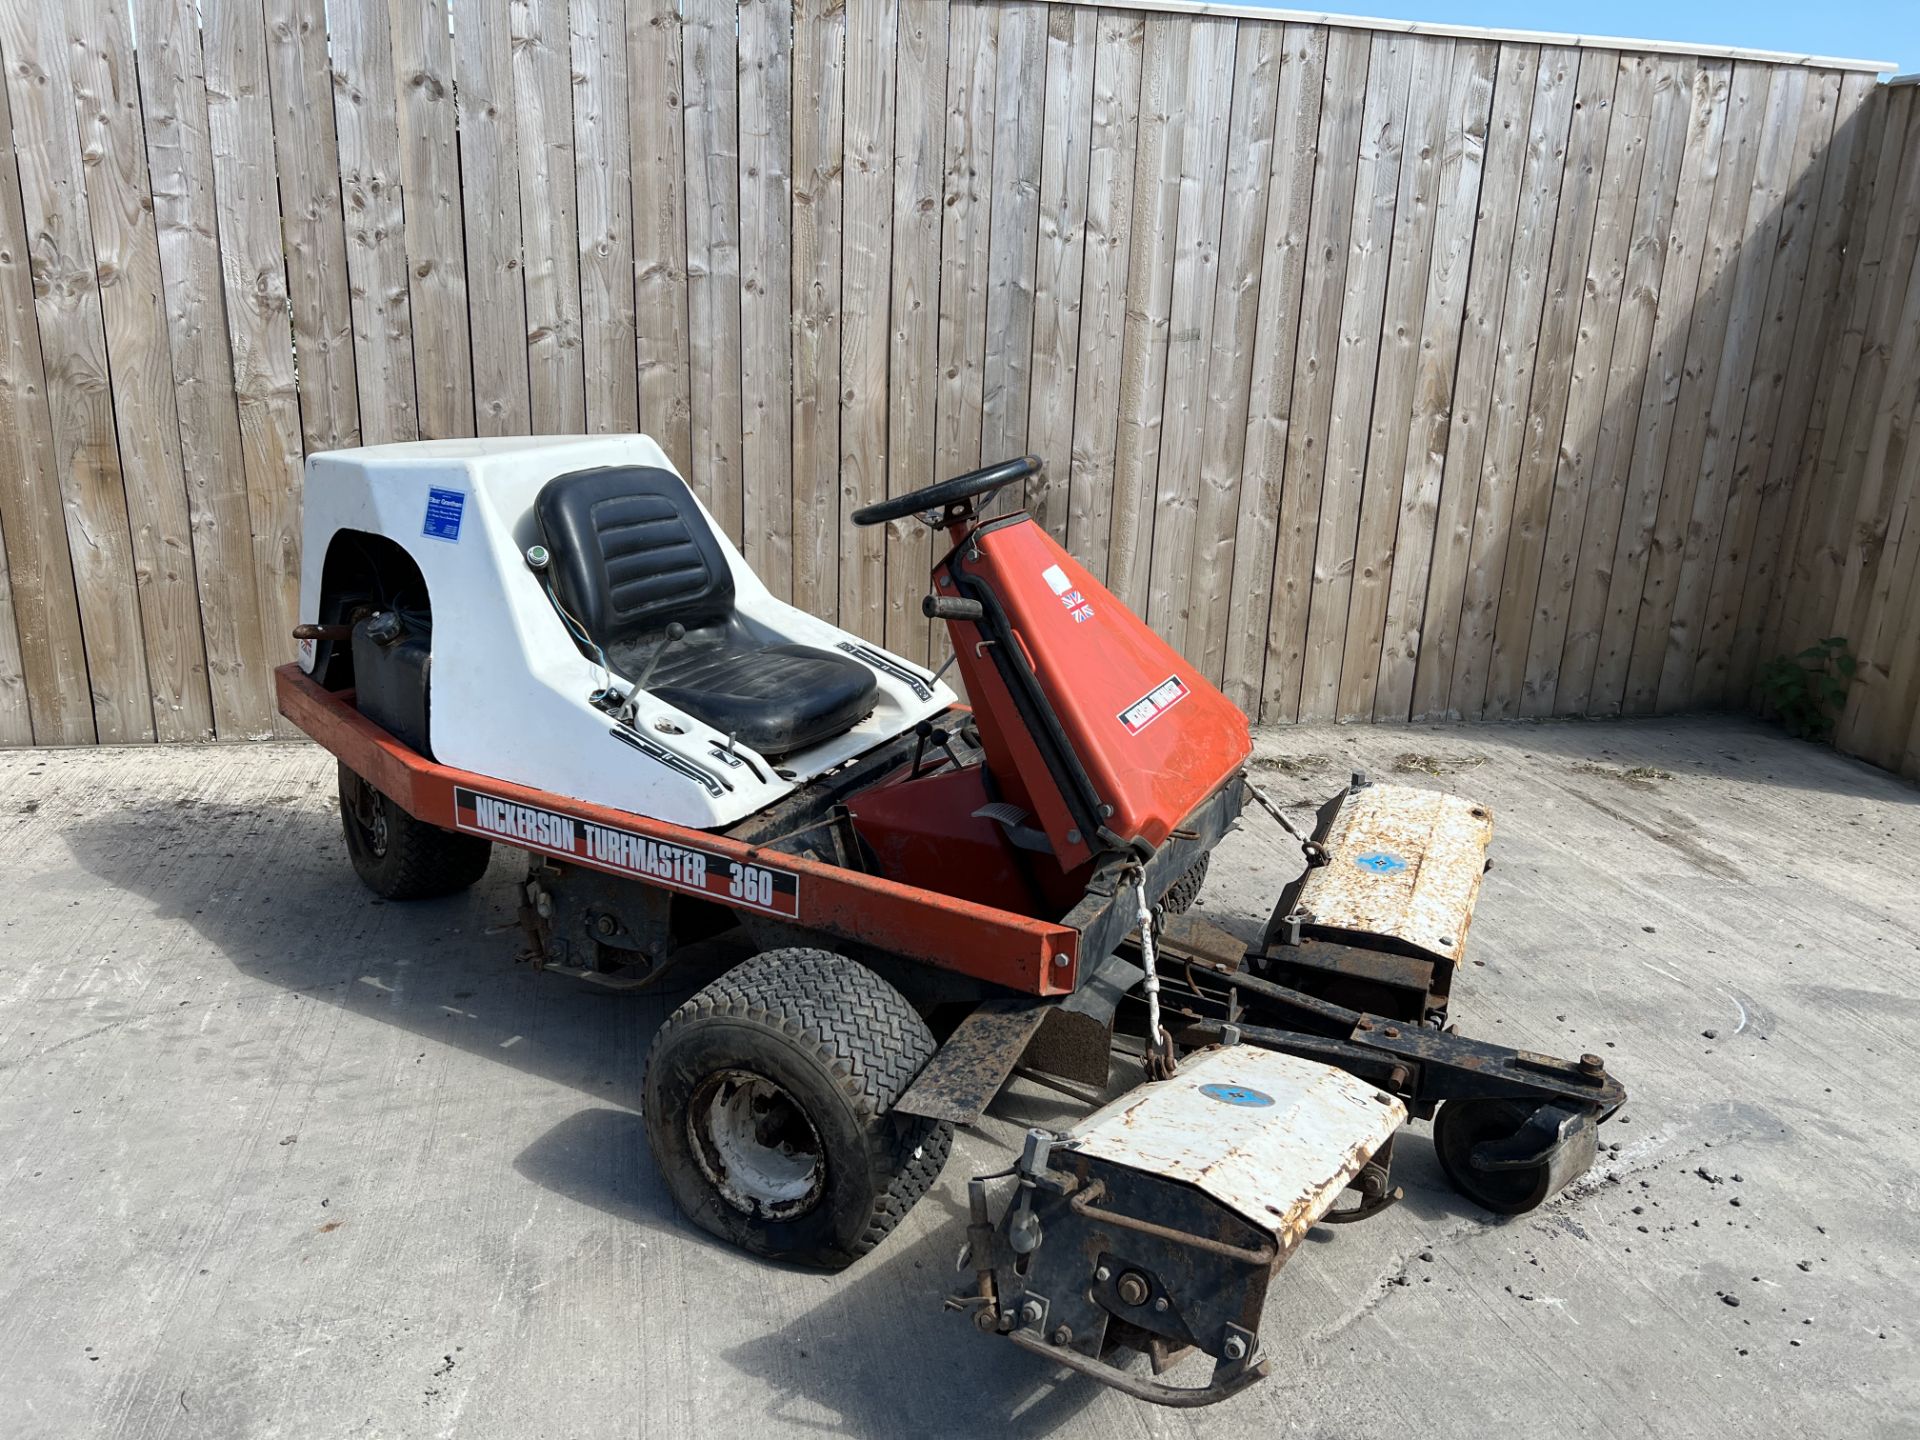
(1272, 1137)
(1401, 863)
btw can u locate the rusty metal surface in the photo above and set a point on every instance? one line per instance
(964, 1075)
(1404, 863)
(1192, 937)
(1272, 1137)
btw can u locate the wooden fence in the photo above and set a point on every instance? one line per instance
(1850, 562)
(1389, 374)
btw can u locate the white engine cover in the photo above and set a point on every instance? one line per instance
(509, 689)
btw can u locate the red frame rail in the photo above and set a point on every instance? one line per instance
(1036, 957)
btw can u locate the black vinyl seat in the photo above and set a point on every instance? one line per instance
(632, 554)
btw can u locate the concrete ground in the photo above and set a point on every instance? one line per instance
(281, 1160)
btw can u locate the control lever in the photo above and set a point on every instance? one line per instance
(676, 632)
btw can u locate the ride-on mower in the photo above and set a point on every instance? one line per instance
(548, 644)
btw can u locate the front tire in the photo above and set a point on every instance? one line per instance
(768, 1105)
(1184, 891)
(399, 857)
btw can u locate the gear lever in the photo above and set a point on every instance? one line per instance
(675, 633)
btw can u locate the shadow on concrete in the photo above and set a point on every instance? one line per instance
(270, 891)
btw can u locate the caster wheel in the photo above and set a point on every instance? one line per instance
(1463, 1127)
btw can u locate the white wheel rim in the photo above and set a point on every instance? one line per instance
(755, 1145)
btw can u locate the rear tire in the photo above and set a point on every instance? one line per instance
(768, 1105)
(399, 857)
(1184, 891)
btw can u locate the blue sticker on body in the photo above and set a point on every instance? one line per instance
(1380, 862)
(444, 509)
(1236, 1094)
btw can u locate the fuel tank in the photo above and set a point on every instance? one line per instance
(1088, 717)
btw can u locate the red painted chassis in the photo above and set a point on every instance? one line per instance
(1034, 957)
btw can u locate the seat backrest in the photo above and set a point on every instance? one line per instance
(632, 552)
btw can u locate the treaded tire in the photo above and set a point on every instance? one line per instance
(1184, 891)
(399, 857)
(843, 1045)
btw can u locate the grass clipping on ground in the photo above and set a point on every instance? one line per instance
(1631, 774)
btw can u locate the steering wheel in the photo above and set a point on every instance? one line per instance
(983, 481)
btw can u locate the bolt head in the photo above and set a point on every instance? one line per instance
(1103, 1273)
(1061, 960)
(1031, 1312)
(984, 1319)
(1593, 1063)
(1235, 1348)
(1392, 1032)
(1063, 1335)
(1133, 1288)
(1161, 1304)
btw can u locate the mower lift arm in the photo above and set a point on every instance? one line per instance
(1421, 1064)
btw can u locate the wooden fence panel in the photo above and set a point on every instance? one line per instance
(1568, 282)
(1813, 330)
(1660, 387)
(866, 271)
(767, 474)
(489, 141)
(549, 228)
(1261, 66)
(819, 163)
(1103, 308)
(253, 263)
(365, 117)
(658, 143)
(1433, 110)
(1186, 411)
(1371, 245)
(1387, 375)
(43, 661)
(1528, 276)
(177, 117)
(1432, 657)
(140, 367)
(430, 199)
(1315, 360)
(1705, 672)
(307, 153)
(1583, 421)
(1065, 164)
(1477, 76)
(1271, 368)
(73, 347)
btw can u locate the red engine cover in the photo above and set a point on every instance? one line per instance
(1153, 736)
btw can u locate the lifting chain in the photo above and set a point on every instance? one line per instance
(1159, 1059)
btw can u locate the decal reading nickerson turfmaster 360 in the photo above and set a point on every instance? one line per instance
(682, 867)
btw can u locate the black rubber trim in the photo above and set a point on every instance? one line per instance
(713, 784)
(887, 665)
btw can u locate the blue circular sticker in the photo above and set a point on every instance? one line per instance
(1236, 1095)
(1380, 862)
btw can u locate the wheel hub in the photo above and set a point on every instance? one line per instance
(369, 812)
(756, 1146)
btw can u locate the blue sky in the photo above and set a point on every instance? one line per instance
(1857, 29)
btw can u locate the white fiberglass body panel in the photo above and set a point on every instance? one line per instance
(509, 690)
